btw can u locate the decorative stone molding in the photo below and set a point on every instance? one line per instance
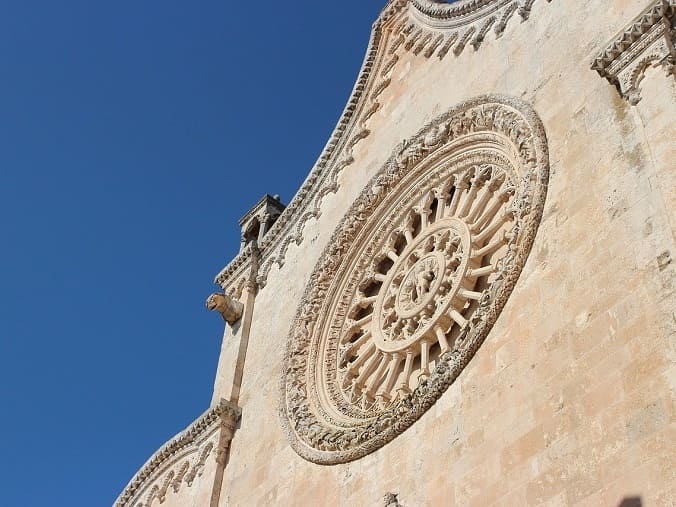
(241, 272)
(647, 41)
(181, 461)
(413, 279)
(422, 27)
(230, 309)
(463, 22)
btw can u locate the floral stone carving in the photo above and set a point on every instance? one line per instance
(413, 279)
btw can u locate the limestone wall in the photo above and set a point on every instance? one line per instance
(570, 399)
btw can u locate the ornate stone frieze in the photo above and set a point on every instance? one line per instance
(422, 27)
(181, 460)
(413, 279)
(463, 22)
(647, 41)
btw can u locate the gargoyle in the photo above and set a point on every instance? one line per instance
(229, 308)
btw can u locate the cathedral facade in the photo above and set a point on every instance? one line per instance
(471, 300)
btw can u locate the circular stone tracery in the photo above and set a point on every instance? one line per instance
(413, 279)
(418, 287)
(414, 298)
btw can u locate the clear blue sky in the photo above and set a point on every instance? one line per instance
(133, 135)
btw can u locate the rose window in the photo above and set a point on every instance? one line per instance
(416, 295)
(412, 280)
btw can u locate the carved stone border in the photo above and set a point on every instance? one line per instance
(152, 479)
(647, 41)
(508, 117)
(467, 21)
(422, 27)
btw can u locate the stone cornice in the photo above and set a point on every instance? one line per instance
(240, 263)
(224, 414)
(461, 11)
(446, 10)
(645, 42)
(421, 27)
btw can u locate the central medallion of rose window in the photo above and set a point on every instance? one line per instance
(421, 297)
(418, 293)
(412, 280)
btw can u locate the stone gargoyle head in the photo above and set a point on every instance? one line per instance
(230, 309)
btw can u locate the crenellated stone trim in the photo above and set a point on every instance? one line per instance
(182, 459)
(647, 41)
(425, 29)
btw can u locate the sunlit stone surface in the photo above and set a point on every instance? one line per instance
(471, 299)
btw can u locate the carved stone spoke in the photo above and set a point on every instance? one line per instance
(430, 282)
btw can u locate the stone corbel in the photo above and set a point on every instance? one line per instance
(230, 309)
(648, 41)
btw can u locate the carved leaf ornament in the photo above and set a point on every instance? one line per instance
(413, 279)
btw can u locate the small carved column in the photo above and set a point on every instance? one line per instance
(259, 219)
(229, 413)
(235, 340)
(236, 306)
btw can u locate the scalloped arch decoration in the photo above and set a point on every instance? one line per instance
(413, 279)
(459, 8)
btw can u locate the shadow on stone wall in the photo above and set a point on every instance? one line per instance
(631, 501)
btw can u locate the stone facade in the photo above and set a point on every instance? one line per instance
(471, 299)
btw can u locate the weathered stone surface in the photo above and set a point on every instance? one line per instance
(570, 398)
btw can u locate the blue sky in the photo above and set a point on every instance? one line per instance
(133, 135)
